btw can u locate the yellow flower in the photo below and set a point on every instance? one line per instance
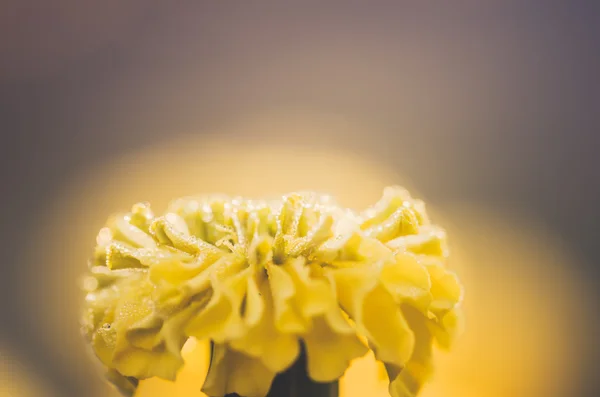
(265, 280)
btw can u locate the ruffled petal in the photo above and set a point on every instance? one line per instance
(221, 319)
(277, 350)
(329, 352)
(407, 280)
(445, 288)
(408, 381)
(125, 232)
(431, 241)
(121, 256)
(234, 372)
(368, 302)
(313, 296)
(176, 268)
(393, 198)
(143, 364)
(288, 318)
(447, 329)
(168, 233)
(401, 222)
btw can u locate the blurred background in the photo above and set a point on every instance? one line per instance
(487, 110)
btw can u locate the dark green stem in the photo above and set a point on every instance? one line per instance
(295, 382)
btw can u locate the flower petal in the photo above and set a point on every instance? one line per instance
(418, 370)
(445, 287)
(287, 317)
(221, 319)
(368, 302)
(124, 231)
(313, 296)
(276, 350)
(431, 240)
(168, 233)
(328, 352)
(407, 280)
(234, 372)
(401, 222)
(448, 328)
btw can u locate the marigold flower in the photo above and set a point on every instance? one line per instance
(265, 280)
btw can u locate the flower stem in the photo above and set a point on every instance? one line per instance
(295, 382)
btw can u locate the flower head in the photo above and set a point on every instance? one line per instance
(264, 279)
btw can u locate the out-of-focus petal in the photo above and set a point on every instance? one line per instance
(445, 288)
(446, 330)
(431, 240)
(124, 231)
(408, 380)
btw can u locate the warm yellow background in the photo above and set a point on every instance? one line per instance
(525, 314)
(16, 379)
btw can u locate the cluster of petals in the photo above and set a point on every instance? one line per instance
(264, 280)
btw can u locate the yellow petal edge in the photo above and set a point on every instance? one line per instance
(260, 279)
